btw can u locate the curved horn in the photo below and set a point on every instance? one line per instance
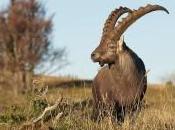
(132, 17)
(113, 17)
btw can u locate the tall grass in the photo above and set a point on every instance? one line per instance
(158, 112)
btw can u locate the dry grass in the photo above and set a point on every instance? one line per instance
(53, 79)
(158, 112)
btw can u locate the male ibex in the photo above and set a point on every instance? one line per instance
(122, 83)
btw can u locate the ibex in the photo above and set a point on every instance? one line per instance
(122, 82)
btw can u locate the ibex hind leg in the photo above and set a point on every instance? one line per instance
(98, 113)
(135, 111)
(120, 115)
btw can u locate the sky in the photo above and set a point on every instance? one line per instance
(78, 26)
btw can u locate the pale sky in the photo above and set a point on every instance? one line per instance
(78, 26)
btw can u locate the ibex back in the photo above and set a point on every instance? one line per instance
(122, 82)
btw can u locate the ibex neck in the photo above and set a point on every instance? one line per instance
(125, 63)
(124, 67)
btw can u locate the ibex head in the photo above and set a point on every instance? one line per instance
(111, 42)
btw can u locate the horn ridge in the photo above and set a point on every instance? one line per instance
(113, 17)
(134, 16)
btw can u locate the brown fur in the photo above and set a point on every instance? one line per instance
(121, 84)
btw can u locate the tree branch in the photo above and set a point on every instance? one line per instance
(47, 109)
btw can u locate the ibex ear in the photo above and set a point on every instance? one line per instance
(120, 44)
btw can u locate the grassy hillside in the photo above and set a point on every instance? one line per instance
(17, 112)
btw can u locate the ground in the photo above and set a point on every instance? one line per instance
(18, 111)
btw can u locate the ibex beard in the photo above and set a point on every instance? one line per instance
(121, 84)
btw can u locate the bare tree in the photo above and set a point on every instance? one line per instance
(25, 40)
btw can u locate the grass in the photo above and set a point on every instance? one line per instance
(158, 112)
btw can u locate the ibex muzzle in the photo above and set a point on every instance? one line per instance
(122, 83)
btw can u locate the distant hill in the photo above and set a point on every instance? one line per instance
(54, 81)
